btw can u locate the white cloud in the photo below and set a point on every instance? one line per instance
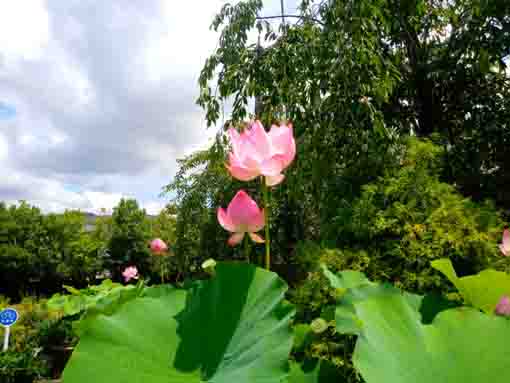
(154, 207)
(104, 94)
(100, 200)
(24, 29)
(4, 148)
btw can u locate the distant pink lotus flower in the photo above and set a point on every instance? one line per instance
(129, 273)
(242, 216)
(503, 306)
(504, 246)
(256, 152)
(158, 246)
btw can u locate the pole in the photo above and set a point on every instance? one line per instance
(6, 338)
(282, 6)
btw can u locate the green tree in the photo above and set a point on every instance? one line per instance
(40, 252)
(353, 75)
(129, 238)
(163, 225)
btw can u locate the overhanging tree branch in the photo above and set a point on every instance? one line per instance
(291, 16)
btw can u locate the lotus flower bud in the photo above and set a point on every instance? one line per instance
(503, 307)
(504, 246)
(158, 246)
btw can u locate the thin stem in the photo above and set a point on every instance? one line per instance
(267, 212)
(291, 16)
(247, 248)
(161, 264)
(282, 6)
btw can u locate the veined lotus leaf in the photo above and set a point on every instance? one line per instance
(347, 279)
(394, 346)
(346, 319)
(351, 282)
(231, 328)
(483, 290)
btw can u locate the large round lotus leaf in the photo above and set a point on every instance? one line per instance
(232, 328)
(483, 290)
(394, 346)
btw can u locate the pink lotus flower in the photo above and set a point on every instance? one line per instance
(158, 246)
(242, 216)
(504, 246)
(256, 152)
(503, 306)
(129, 273)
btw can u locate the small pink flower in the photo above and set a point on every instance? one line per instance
(158, 246)
(504, 246)
(242, 216)
(503, 307)
(129, 273)
(258, 153)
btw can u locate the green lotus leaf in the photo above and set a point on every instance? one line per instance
(347, 279)
(347, 321)
(395, 346)
(483, 290)
(231, 328)
(80, 301)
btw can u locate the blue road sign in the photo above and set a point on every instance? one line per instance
(8, 317)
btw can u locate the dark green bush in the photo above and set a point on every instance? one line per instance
(391, 232)
(23, 362)
(409, 217)
(21, 367)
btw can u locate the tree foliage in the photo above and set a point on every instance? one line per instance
(41, 252)
(128, 244)
(358, 79)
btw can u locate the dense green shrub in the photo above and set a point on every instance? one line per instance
(409, 217)
(21, 366)
(39, 342)
(23, 362)
(398, 225)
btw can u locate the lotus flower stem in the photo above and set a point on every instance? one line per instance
(247, 248)
(267, 211)
(162, 266)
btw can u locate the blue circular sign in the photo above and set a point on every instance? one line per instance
(8, 317)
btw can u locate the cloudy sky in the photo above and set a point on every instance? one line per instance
(97, 97)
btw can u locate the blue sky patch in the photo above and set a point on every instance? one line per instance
(6, 111)
(72, 188)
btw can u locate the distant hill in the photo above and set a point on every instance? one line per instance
(91, 218)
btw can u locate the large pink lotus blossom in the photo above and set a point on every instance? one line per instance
(256, 152)
(504, 246)
(242, 216)
(503, 307)
(158, 246)
(129, 273)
